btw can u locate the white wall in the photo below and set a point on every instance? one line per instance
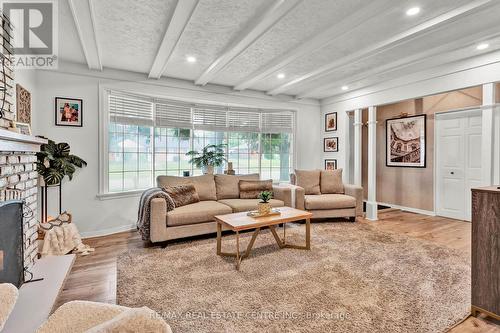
(97, 217)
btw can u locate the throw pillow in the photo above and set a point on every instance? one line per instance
(182, 195)
(331, 182)
(309, 180)
(227, 185)
(250, 189)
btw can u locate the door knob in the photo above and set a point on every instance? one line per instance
(452, 173)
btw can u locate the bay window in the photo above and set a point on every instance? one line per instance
(148, 137)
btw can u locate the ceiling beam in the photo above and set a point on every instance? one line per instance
(454, 45)
(180, 18)
(326, 37)
(256, 29)
(422, 28)
(84, 17)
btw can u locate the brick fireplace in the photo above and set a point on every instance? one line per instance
(19, 180)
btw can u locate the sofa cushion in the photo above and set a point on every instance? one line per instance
(244, 205)
(329, 201)
(227, 185)
(331, 182)
(205, 184)
(309, 180)
(250, 189)
(182, 195)
(203, 211)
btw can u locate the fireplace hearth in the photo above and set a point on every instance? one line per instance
(11, 242)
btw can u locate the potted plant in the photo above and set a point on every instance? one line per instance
(54, 162)
(264, 206)
(210, 156)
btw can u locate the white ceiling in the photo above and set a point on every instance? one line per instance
(320, 45)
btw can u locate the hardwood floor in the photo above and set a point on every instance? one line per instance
(93, 277)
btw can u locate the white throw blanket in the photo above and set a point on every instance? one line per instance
(62, 239)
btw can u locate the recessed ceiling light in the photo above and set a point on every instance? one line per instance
(345, 88)
(281, 76)
(482, 46)
(413, 11)
(191, 59)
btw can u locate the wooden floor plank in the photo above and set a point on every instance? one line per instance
(93, 277)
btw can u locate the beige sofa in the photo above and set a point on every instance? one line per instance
(346, 202)
(219, 194)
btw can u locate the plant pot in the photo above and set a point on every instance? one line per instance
(264, 208)
(208, 169)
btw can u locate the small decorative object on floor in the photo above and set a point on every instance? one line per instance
(264, 206)
(230, 170)
(60, 237)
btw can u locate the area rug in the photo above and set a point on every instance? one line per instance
(356, 278)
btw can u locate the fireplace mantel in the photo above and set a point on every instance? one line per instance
(12, 141)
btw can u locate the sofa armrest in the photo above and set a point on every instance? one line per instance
(284, 194)
(297, 196)
(356, 192)
(158, 220)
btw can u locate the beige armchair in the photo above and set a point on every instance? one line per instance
(324, 194)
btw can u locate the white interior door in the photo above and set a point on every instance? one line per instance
(458, 162)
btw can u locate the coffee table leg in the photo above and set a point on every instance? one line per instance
(284, 233)
(237, 250)
(308, 234)
(219, 240)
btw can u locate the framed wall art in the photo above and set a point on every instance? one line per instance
(330, 164)
(23, 105)
(331, 122)
(331, 144)
(23, 128)
(68, 112)
(406, 142)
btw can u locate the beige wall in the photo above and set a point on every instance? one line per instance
(412, 187)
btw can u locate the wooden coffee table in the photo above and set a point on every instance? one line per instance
(241, 221)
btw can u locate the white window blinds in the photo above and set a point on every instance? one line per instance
(277, 122)
(130, 109)
(241, 119)
(173, 114)
(146, 111)
(210, 117)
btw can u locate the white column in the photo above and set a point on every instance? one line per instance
(371, 204)
(358, 132)
(487, 134)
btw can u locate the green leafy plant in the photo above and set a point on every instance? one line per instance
(54, 162)
(210, 155)
(265, 196)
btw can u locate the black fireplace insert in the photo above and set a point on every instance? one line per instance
(11, 242)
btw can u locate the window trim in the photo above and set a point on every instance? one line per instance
(103, 139)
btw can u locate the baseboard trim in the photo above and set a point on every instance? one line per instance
(107, 232)
(409, 209)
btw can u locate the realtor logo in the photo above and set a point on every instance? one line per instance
(33, 34)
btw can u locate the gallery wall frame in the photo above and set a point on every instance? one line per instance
(331, 144)
(330, 164)
(331, 122)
